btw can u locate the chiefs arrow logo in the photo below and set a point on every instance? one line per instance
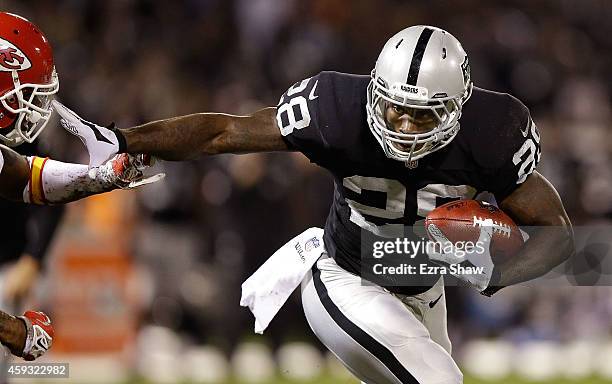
(12, 58)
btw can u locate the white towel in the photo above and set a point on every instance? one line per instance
(270, 286)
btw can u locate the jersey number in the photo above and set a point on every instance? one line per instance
(529, 148)
(293, 114)
(396, 201)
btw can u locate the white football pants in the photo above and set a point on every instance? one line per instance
(379, 336)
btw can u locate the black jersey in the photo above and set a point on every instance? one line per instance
(324, 117)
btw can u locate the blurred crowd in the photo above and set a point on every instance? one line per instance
(213, 221)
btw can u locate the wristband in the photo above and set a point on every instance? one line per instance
(120, 138)
(37, 191)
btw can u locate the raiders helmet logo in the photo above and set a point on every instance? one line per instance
(12, 58)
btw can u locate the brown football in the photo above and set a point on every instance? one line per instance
(460, 221)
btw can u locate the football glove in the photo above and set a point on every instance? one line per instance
(39, 334)
(474, 257)
(125, 171)
(102, 142)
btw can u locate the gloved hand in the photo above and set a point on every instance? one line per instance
(478, 256)
(39, 334)
(126, 171)
(102, 142)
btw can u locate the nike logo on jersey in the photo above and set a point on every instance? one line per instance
(312, 96)
(433, 303)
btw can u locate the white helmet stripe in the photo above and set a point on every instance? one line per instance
(417, 56)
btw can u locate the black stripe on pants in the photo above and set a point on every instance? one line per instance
(381, 352)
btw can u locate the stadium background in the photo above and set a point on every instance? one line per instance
(144, 286)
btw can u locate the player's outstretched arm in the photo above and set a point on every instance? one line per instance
(536, 203)
(44, 181)
(179, 138)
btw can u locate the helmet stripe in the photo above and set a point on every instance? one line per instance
(417, 56)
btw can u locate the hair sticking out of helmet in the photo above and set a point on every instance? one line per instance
(28, 80)
(420, 68)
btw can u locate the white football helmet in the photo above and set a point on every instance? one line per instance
(422, 68)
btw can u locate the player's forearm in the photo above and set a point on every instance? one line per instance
(179, 138)
(12, 333)
(547, 248)
(187, 137)
(55, 182)
(44, 181)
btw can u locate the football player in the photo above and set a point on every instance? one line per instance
(414, 134)
(27, 83)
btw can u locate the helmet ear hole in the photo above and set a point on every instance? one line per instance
(7, 120)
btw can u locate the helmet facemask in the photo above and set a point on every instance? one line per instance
(31, 104)
(446, 109)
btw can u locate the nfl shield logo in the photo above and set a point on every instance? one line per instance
(412, 164)
(311, 244)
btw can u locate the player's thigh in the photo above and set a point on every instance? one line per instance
(371, 331)
(431, 307)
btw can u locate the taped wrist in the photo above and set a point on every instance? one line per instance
(53, 182)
